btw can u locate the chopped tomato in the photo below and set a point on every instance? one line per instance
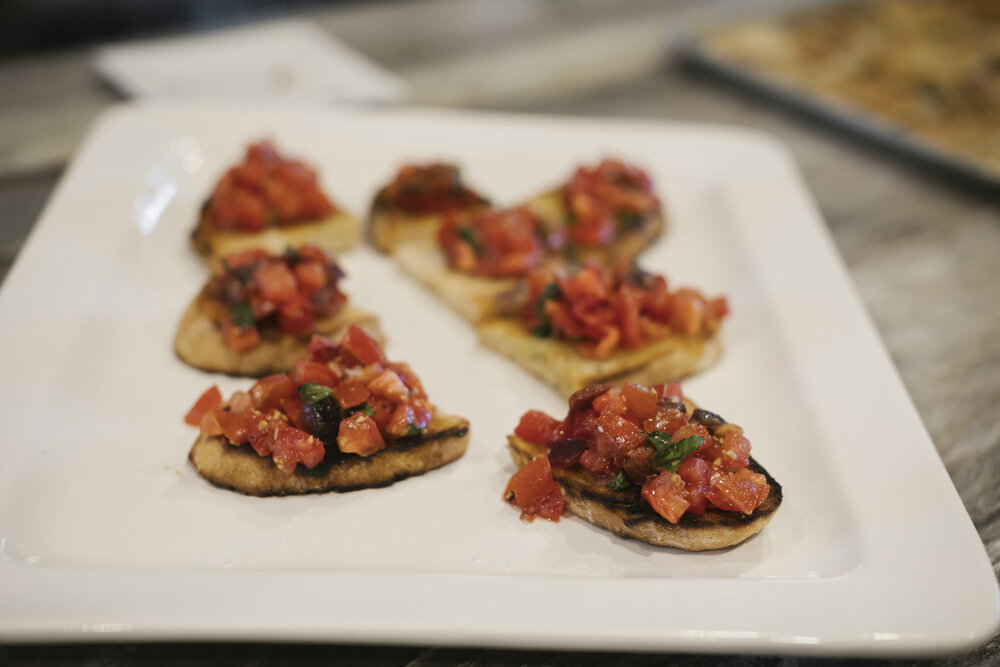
(664, 493)
(307, 371)
(611, 402)
(351, 393)
(359, 435)
(533, 490)
(697, 474)
(276, 282)
(293, 408)
(209, 424)
(233, 425)
(389, 385)
(262, 430)
(207, 402)
(240, 339)
(431, 188)
(293, 446)
(363, 347)
(310, 276)
(269, 391)
(739, 491)
(492, 243)
(641, 400)
(537, 427)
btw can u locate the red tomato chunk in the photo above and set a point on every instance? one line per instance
(534, 492)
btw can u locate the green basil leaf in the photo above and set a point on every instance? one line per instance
(413, 429)
(669, 457)
(242, 314)
(312, 393)
(620, 481)
(544, 329)
(367, 409)
(468, 234)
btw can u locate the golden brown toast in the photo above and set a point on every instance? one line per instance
(335, 234)
(558, 363)
(626, 514)
(241, 469)
(199, 341)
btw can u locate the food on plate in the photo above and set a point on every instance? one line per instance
(413, 204)
(345, 418)
(608, 212)
(258, 310)
(644, 463)
(477, 259)
(271, 202)
(600, 325)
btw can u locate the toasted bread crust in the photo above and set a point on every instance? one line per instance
(549, 206)
(626, 514)
(558, 363)
(390, 228)
(239, 468)
(336, 233)
(199, 341)
(476, 299)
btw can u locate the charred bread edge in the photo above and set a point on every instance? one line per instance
(428, 452)
(626, 514)
(196, 330)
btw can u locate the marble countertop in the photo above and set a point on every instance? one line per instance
(922, 249)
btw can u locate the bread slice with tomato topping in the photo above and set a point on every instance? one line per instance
(476, 261)
(257, 312)
(345, 418)
(607, 212)
(413, 204)
(672, 476)
(269, 202)
(607, 325)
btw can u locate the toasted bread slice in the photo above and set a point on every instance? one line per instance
(199, 341)
(390, 228)
(476, 299)
(558, 363)
(335, 234)
(550, 208)
(626, 514)
(241, 469)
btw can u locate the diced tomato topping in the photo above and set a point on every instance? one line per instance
(664, 493)
(276, 282)
(611, 402)
(389, 385)
(537, 427)
(307, 371)
(431, 188)
(641, 400)
(209, 425)
(363, 347)
(262, 430)
(624, 434)
(296, 318)
(207, 402)
(603, 310)
(270, 390)
(293, 446)
(310, 276)
(233, 426)
(240, 339)
(266, 187)
(607, 201)
(739, 491)
(493, 243)
(351, 393)
(697, 474)
(533, 490)
(359, 435)
(293, 408)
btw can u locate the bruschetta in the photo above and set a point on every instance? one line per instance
(257, 312)
(477, 260)
(608, 212)
(345, 418)
(413, 204)
(606, 325)
(643, 463)
(270, 202)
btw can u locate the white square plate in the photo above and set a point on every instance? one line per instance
(288, 59)
(106, 532)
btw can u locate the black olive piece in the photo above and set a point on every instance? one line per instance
(710, 420)
(322, 419)
(672, 403)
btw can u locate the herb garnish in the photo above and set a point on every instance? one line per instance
(619, 481)
(544, 329)
(413, 429)
(312, 393)
(669, 454)
(242, 314)
(468, 234)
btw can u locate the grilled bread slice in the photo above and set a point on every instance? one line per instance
(476, 299)
(550, 208)
(558, 363)
(335, 233)
(199, 341)
(240, 468)
(626, 514)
